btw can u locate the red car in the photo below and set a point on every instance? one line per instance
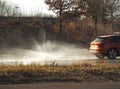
(108, 45)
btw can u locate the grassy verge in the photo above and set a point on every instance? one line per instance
(51, 73)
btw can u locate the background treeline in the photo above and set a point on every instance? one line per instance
(99, 11)
(76, 20)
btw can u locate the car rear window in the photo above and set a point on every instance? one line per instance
(99, 40)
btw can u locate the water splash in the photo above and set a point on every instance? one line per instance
(47, 53)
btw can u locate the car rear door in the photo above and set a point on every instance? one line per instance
(115, 43)
(119, 45)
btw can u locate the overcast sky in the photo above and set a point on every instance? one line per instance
(31, 6)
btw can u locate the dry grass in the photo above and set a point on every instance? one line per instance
(52, 73)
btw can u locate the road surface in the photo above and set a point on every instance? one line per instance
(49, 53)
(64, 86)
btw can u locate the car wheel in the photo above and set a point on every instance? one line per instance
(100, 56)
(112, 54)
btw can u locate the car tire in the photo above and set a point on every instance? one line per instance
(100, 56)
(112, 53)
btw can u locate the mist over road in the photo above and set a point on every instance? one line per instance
(47, 53)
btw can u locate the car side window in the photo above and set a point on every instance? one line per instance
(119, 39)
(115, 39)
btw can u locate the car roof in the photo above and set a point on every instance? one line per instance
(107, 36)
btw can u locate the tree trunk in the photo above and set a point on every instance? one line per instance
(95, 23)
(60, 19)
(95, 29)
(112, 19)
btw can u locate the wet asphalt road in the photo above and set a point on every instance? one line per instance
(70, 56)
(115, 85)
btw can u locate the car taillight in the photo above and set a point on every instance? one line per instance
(96, 46)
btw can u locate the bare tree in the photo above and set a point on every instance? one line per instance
(9, 10)
(102, 10)
(58, 6)
(94, 11)
(113, 9)
(66, 9)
